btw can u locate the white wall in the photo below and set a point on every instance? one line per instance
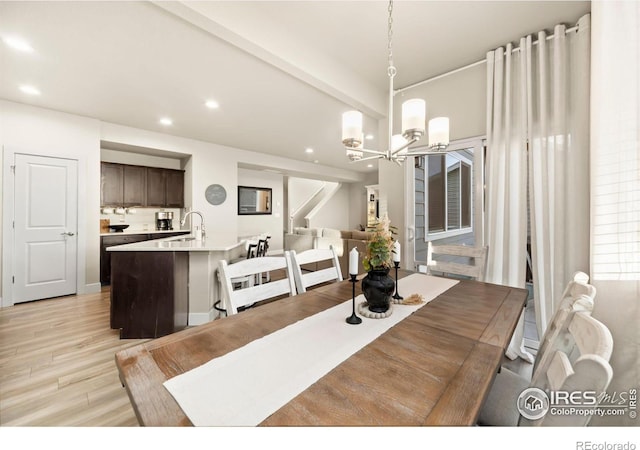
(138, 159)
(460, 96)
(26, 129)
(333, 213)
(300, 190)
(391, 189)
(270, 224)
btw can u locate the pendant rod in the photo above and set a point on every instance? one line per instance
(391, 72)
(389, 140)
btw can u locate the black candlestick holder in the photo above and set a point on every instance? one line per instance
(396, 295)
(353, 319)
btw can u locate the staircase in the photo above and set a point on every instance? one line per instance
(305, 214)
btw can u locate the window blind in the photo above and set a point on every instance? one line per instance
(615, 143)
(616, 210)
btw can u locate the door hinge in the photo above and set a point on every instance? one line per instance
(13, 169)
(13, 279)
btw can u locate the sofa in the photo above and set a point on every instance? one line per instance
(343, 241)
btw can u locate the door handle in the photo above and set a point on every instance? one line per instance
(68, 233)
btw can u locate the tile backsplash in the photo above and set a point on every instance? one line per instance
(144, 219)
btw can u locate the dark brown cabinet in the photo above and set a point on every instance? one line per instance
(174, 196)
(111, 184)
(156, 186)
(165, 187)
(134, 186)
(127, 185)
(119, 239)
(122, 185)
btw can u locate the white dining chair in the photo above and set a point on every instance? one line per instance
(322, 257)
(249, 294)
(263, 248)
(457, 260)
(250, 252)
(579, 362)
(579, 295)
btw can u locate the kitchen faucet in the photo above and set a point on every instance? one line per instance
(184, 219)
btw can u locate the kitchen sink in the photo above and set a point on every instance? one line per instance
(184, 239)
(174, 242)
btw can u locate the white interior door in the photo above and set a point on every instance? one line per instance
(46, 209)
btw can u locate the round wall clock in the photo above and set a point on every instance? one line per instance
(215, 194)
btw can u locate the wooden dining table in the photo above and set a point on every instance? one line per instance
(435, 367)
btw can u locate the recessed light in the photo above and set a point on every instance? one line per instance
(18, 44)
(369, 165)
(211, 104)
(31, 90)
(368, 137)
(308, 150)
(166, 121)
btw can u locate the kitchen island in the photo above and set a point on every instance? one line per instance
(164, 285)
(127, 236)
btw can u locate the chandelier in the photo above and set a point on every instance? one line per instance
(413, 124)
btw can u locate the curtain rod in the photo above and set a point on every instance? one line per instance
(469, 66)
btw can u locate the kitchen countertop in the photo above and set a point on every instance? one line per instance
(185, 243)
(128, 232)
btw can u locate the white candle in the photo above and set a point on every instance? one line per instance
(396, 251)
(353, 262)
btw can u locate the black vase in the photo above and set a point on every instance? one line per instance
(377, 288)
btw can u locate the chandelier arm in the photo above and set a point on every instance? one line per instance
(412, 141)
(368, 158)
(376, 152)
(425, 152)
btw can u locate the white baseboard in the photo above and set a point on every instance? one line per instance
(92, 288)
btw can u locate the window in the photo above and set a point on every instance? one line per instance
(449, 195)
(448, 200)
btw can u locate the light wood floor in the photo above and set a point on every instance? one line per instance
(57, 365)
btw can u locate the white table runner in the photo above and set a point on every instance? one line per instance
(247, 385)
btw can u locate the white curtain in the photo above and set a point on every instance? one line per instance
(538, 142)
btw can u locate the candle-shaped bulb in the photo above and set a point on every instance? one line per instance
(396, 251)
(353, 262)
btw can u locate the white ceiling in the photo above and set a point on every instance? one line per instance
(283, 72)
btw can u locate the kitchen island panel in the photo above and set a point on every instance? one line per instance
(200, 282)
(149, 293)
